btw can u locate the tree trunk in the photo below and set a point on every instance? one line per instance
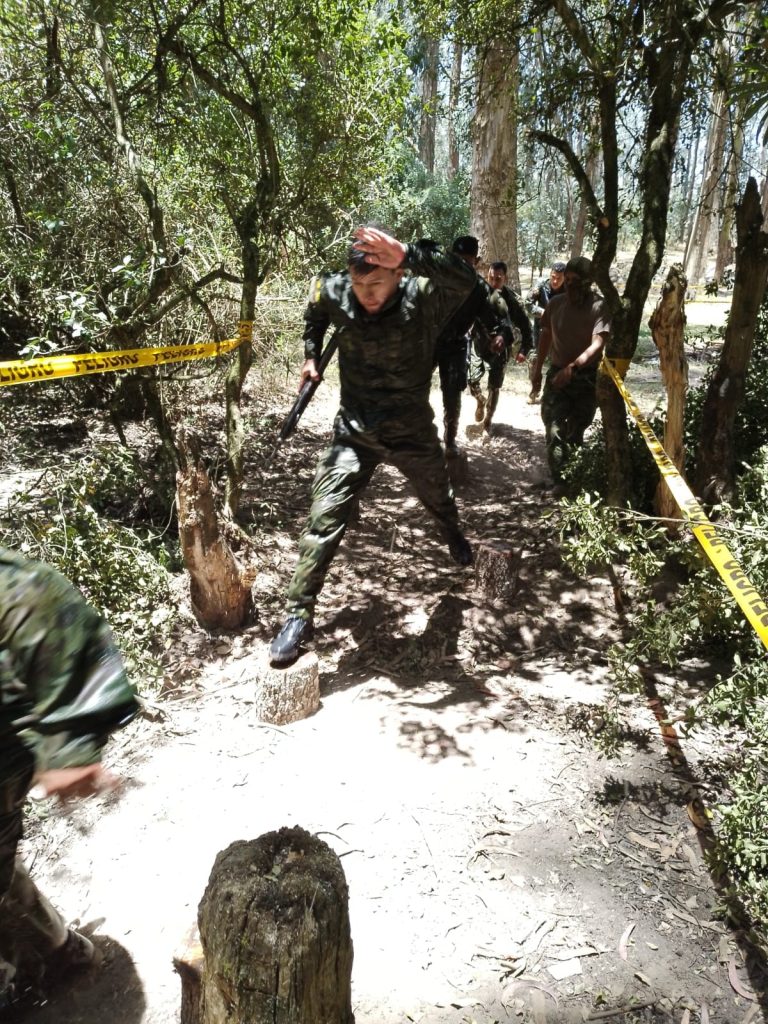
(494, 161)
(239, 368)
(667, 325)
(698, 243)
(579, 228)
(729, 200)
(274, 928)
(453, 109)
(219, 588)
(496, 570)
(716, 458)
(429, 104)
(689, 184)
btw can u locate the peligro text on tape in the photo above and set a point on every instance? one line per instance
(748, 599)
(23, 371)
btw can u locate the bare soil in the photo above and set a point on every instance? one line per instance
(499, 869)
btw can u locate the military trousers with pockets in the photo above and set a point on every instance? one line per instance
(567, 412)
(344, 470)
(30, 928)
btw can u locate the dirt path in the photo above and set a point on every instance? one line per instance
(499, 870)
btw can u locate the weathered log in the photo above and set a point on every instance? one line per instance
(274, 928)
(288, 694)
(220, 589)
(667, 323)
(496, 570)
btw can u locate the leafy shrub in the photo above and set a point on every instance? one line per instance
(120, 572)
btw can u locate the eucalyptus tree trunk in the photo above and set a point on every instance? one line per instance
(454, 97)
(698, 242)
(729, 194)
(689, 183)
(494, 162)
(579, 228)
(429, 104)
(716, 456)
(667, 325)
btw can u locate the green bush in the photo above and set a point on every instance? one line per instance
(120, 572)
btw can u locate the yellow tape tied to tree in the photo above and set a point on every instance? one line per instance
(748, 599)
(23, 371)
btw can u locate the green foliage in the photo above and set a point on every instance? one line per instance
(586, 469)
(751, 424)
(416, 204)
(681, 610)
(120, 572)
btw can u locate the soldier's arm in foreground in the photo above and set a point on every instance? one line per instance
(542, 351)
(520, 320)
(316, 321)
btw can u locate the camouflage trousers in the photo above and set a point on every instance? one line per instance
(452, 366)
(344, 470)
(30, 928)
(494, 365)
(567, 412)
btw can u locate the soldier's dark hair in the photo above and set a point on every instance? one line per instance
(466, 245)
(499, 265)
(558, 266)
(356, 259)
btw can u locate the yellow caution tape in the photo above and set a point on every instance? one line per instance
(22, 371)
(714, 547)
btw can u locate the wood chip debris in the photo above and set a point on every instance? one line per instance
(624, 940)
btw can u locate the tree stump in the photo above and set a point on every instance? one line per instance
(458, 468)
(188, 964)
(667, 325)
(496, 570)
(288, 694)
(274, 930)
(219, 588)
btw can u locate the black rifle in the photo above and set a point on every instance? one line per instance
(308, 388)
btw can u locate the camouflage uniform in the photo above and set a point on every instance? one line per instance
(63, 689)
(539, 298)
(496, 363)
(568, 411)
(385, 365)
(487, 308)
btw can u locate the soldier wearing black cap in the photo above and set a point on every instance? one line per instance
(574, 329)
(540, 296)
(485, 312)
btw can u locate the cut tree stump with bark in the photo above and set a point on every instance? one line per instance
(667, 323)
(288, 694)
(275, 936)
(496, 570)
(220, 589)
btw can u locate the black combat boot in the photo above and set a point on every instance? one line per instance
(460, 549)
(490, 409)
(287, 645)
(451, 424)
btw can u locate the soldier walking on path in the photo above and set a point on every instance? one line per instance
(574, 329)
(63, 690)
(483, 307)
(387, 325)
(540, 296)
(488, 355)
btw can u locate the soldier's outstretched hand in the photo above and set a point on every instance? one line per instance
(380, 248)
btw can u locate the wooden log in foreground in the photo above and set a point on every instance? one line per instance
(496, 570)
(288, 694)
(274, 930)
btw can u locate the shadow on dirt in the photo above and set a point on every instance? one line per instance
(111, 992)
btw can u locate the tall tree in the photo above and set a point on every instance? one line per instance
(429, 102)
(494, 162)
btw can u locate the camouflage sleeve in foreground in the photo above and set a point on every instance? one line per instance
(446, 280)
(63, 687)
(519, 319)
(316, 316)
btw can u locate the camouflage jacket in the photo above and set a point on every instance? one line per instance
(386, 359)
(485, 312)
(63, 687)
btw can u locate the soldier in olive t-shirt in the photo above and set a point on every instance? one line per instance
(574, 329)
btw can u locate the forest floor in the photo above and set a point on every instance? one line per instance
(499, 868)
